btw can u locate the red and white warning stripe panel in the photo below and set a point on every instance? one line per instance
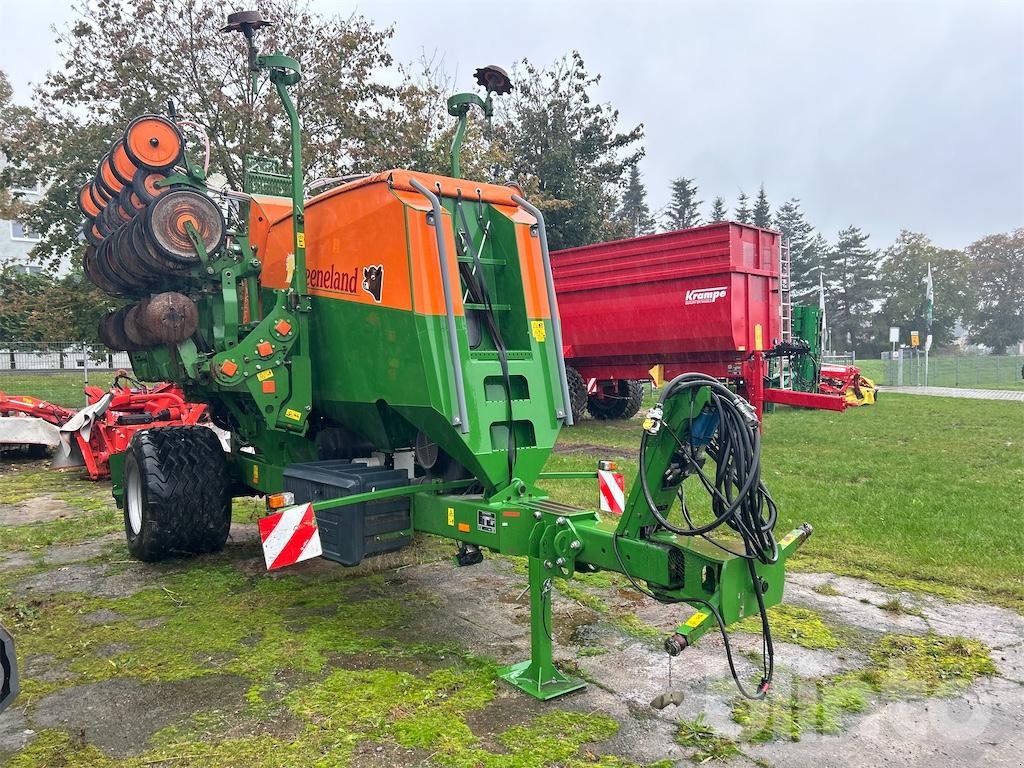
(612, 491)
(290, 536)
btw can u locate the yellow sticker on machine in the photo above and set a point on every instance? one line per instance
(300, 239)
(696, 620)
(451, 516)
(292, 414)
(539, 331)
(255, 473)
(264, 375)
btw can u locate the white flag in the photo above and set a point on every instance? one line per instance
(821, 306)
(929, 296)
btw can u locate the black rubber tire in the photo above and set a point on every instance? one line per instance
(635, 399)
(184, 496)
(623, 404)
(577, 393)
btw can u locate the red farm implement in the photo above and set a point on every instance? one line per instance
(707, 299)
(846, 381)
(104, 427)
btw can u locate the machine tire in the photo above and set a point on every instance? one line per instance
(623, 405)
(635, 399)
(177, 497)
(577, 393)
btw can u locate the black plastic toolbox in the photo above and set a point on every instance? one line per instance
(350, 533)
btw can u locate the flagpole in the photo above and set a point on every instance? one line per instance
(930, 302)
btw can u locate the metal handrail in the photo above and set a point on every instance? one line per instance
(556, 323)
(462, 420)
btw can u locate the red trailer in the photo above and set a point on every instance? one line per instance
(705, 299)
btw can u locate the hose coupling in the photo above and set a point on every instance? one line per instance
(652, 422)
(676, 644)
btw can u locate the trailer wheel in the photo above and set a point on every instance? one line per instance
(622, 402)
(577, 393)
(177, 497)
(635, 399)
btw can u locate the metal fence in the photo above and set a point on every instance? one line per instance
(907, 369)
(57, 371)
(847, 358)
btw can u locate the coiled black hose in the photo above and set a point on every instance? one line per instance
(738, 497)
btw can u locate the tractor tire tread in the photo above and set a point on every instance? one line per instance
(186, 498)
(577, 393)
(624, 405)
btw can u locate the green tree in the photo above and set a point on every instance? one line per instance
(718, 210)
(997, 275)
(804, 248)
(634, 212)
(762, 214)
(852, 269)
(44, 308)
(683, 209)
(566, 150)
(742, 210)
(904, 267)
(10, 116)
(120, 58)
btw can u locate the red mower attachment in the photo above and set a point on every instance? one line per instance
(847, 381)
(106, 425)
(31, 422)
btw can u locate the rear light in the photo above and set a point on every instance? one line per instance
(279, 500)
(608, 466)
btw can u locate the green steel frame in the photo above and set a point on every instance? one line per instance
(514, 516)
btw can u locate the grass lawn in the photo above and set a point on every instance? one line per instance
(921, 492)
(58, 387)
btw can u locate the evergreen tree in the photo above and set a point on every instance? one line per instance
(742, 210)
(718, 210)
(804, 249)
(852, 269)
(684, 208)
(634, 213)
(762, 211)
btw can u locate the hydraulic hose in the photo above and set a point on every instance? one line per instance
(739, 499)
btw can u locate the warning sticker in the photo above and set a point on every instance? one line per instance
(451, 516)
(539, 331)
(486, 521)
(292, 414)
(264, 375)
(301, 239)
(696, 620)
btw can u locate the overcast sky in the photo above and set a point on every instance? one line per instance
(887, 115)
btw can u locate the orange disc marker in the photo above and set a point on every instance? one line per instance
(264, 349)
(283, 327)
(229, 368)
(124, 169)
(153, 142)
(106, 175)
(145, 185)
(85, 202)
